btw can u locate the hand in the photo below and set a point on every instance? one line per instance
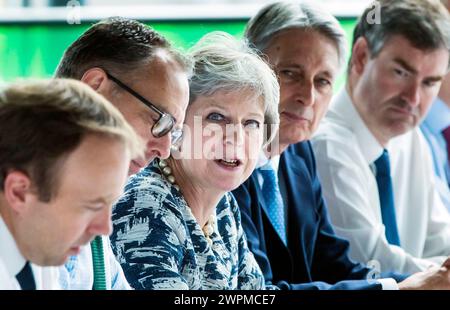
(435, 278)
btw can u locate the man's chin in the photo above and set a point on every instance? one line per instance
(132, 171)
(293, 135)
(54, 261)
(400, 127)
(134, 168)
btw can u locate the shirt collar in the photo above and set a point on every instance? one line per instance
(9, 252)
(262, 160)
(438, 118)
(343, 106)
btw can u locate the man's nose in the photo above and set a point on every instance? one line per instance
(412, 94)
(102, 224)
(305, 94)
(160, 146)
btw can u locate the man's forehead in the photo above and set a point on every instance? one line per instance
(295, 47)
(400, 50)
(167, 86)
(163, 60)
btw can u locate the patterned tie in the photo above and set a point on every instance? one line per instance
(98, 261)
(386, 194)
(25, 278)
(273, 199)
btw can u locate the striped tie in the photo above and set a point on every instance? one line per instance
(98, 261)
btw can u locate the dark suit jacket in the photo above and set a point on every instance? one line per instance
(315, 257)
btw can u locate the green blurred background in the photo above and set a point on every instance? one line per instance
(34, 50)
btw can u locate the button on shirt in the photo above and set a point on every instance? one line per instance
(438, 119)
(12, 262)
(344, 149)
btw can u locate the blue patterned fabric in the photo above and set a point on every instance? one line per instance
(274, 201)
(160, 245)
(386, 194)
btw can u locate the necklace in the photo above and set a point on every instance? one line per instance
(208, 228)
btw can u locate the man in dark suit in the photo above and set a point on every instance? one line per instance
(287, 224)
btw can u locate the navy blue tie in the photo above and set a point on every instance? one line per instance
(386, 194)
(273, 199)
(25, 278)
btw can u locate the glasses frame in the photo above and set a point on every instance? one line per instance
(175, 134)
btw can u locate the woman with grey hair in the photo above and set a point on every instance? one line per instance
(177, 226)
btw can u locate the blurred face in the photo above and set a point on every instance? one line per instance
(91, 179)
(444, 92)
(226, 137)
(166, 86)
(306, 63)
(394, 90)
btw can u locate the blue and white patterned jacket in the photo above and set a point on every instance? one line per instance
(160, 245)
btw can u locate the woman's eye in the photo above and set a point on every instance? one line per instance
(216, 117)
(252, 124)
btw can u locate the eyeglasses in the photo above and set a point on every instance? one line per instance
(165, 122)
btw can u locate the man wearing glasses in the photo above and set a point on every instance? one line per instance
(136, 69)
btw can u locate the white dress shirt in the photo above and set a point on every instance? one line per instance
(345, 150)
(12, 262)
(78, 272)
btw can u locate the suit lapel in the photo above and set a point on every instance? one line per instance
(302, 215)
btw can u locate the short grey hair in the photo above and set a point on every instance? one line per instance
(425, 24)
(280, 16)
(223, 63)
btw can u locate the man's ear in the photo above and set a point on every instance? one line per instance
(96, 78)
(16, 187)
(360, 55)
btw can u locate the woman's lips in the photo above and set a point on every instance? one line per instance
(230, 164)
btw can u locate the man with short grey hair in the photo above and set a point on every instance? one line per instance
(374, 164)
(283, 212)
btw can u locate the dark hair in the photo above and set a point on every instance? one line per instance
(116, 44)
(425, 24)
(41, 122)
